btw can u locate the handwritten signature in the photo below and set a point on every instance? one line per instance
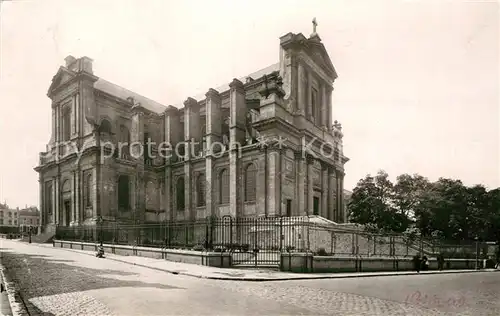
(434, 300)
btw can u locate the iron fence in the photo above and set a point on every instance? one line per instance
(260, 240)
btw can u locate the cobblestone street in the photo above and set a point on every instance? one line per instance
(55, 281)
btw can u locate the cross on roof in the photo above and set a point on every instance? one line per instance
(315, 24)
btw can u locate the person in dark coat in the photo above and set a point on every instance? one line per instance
(440, 259)
(425, 263)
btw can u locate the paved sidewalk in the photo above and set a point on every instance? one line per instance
(205, 272)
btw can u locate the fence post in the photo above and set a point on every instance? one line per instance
(281, 233)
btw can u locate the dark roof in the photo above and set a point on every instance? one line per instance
(122, 93)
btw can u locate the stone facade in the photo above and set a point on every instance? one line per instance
(262, 145)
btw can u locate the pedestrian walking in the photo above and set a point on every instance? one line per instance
(425, 263)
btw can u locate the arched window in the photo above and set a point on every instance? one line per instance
(250, 183)
(200, 189)
(88, 190)
(224, 187)
(105, 127)
(180, 194)
(66, 187)
(123, 193)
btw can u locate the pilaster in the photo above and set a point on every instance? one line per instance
(324, 107)
(238, 111)
(53, 136)
(274, 181)
(332, 194)
(213, 135)
(192, 128)
(139, 151)
(301, 178)
(301, 89)
(262, 189)
(41, 199)
(324, 190)
(329, 106)
(213, 117)
(310, 184)
(57, 199)
(72, 216)
(294, 99)
(340, 196)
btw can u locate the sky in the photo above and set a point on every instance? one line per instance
(417, 88)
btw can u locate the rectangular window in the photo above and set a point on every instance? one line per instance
(288, 207)
(316, 205)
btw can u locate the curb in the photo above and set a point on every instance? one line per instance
(256, 279)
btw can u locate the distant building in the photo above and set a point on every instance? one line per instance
(347, 199)
(29, 217)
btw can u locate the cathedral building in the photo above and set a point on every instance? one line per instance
(263, 145)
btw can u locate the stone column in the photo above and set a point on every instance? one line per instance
(237, 110)
(77, 114)
(53, 137)
(237, 133)
(78, 191)
(294, 83)
(261, 186)
(332, 194)
(301, 172)
(274, 181)
(308, 96)
(41, 200)
(213, 135)
(191, 132)
(329, 107)
(57, 199)
(310, 185)
(72, 124)
(324, 190)
(82, 196)
(72, 217)
(301, 89)
(324, 107)
(340, 197)
(172, 136)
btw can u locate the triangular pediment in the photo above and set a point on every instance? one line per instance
(62, 76)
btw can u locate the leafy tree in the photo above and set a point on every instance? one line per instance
(445, 209)
(372, 205)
